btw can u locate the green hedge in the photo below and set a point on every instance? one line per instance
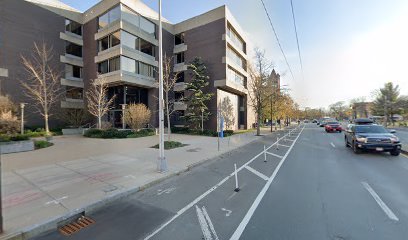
(13, 138)
(42, 144)
(170, 145)
(115, 133)
(211, 133)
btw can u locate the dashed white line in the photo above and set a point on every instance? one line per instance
(380, 202)
(332, 144)
(203, 224)
(257, 173)
(273, 154)
(281, 145)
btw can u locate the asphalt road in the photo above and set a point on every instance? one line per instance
(402, 134)
(313, 187)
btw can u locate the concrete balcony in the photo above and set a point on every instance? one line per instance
(3, 72)
(179, 67)
(180, 106)
(235, 66)
(72, 103)
(124, 77)
(181, 86)
(180, 48)
(231, 86)
(128, 52)
(73, 82)
(71, 37)
(71, 59)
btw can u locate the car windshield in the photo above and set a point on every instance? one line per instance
(371, 129)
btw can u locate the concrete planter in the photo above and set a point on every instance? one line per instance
(74, 131)
(15, 147)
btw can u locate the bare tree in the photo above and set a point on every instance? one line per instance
(169, 81)
(259, 92)
(97, 96)
(137, 116)
(42, 84)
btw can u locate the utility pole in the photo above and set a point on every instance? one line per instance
(162, 162)
(123, 116)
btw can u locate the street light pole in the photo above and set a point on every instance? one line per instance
(162, 162)
(123, 115)
(22, 105)
(202, 120)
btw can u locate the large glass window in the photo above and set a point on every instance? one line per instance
(236, 77)
(146, 70)
(73, 27)
(103, 67)
(147, 26)
(179, 57)
(114, 64)
(73, 71)
(129, 64)
(73, 49)
(236, 58)
(130, 16)
(180, 77)
(110, 41)
(74, 93)
(146, 47)
(179, 39)
(130, 40)
(115, 39)
(109, 17)
(104, 43)
(236, 39)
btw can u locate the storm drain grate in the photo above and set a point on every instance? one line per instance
(76, 226)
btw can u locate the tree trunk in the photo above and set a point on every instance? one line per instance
(99, 122)
(168, 118)
(47, 129)
(258, 125)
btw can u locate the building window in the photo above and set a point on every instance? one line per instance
(146, 70)
(109, 17)
(73, 49)
(72, 71)
(236, 39)
(179, 39)
(130, 16)
(146, 47)
(180, 77)
(103, 67)
(114, 64)
(115, 39)
(179, 58)
(179, 96)
(129, 64)
(236, 77)
(147, 26)
(73, 27)
(74, 93)
(231, 54)
(109, 41)
(130, 40)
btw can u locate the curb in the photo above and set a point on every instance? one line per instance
(53, 223)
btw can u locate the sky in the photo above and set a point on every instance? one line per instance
(349, 48)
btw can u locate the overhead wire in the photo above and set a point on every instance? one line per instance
(297, 39)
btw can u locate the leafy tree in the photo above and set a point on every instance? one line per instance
(197, 99)
(387, 101)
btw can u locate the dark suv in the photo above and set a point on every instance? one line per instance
(371, 137)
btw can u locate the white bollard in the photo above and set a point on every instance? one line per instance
(277, 143)
(236, 179)
(264, 153)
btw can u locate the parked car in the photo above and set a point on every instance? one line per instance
(372, 137)
(314, 121)
(363, 121)
(306, 121)
(333, 127)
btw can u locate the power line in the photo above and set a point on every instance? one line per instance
(277, 39)
(297, 38)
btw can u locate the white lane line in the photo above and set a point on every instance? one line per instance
(56, 201)
(380, 202)
(257, 173)
(276, 155)
(210, 223)
(203, 224)
(287, 139)
(333, 145)
(284, 145)
(199, 198)
(238, 232)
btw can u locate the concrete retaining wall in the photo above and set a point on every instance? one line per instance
(74, 131)
(14, 147)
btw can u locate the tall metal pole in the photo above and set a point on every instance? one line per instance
(22, 117)
(162, 162)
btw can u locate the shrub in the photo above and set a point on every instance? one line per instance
(9, 124)
(206, 132)
(42, 144)
(19, 137)
(171, 145)
(142, 133)
(93, 133)
(137, 116)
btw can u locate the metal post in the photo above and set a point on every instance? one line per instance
(123, 115)
(264, 153)
(22, 117)
(236, 179)
(1, 198)
(202, 120)
(277, 143)
(162, 163)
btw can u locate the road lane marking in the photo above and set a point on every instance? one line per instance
(333, 145)
(203, 224)
(207, 217)
(276, 155)
(284, 145)
(257, 173)
(56, 201)
(238, 232)
(199, 198)
(167, 191)
(380, 202)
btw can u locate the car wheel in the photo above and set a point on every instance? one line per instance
(395, 152)
(346, 142)
(356, 150)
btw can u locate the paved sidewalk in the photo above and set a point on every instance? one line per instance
(77, 172)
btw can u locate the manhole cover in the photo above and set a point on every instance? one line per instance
(74, 227)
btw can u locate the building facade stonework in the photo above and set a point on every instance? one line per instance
(118, 40)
